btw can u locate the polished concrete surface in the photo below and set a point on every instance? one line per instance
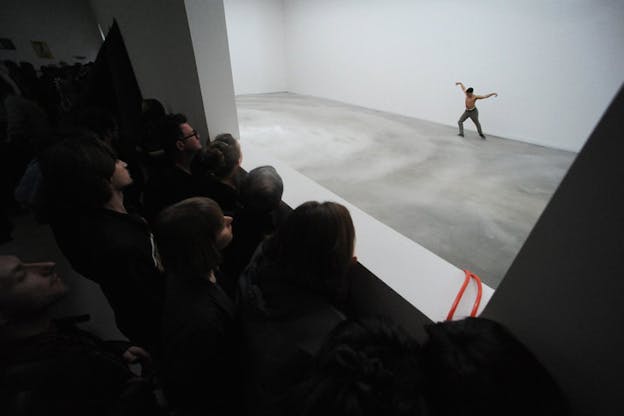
(473, 202)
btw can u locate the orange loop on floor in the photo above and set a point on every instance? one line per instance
(475, 307)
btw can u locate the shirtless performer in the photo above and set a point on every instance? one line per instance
(471, 110)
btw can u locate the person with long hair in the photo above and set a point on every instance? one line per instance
(200, 360)
(290, 295)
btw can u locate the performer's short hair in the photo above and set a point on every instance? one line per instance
(469, 90)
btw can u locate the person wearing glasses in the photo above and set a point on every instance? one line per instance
(175, 181)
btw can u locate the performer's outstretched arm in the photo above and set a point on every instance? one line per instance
(480, 97)
(461, 85)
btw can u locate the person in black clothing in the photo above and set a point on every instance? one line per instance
(261, 193)
(289, 293)
(200, 342)
(218, 166)
(175, 181)
(47, 368)
(83, 186)
(152, 113)
(475, 366)
(366, 367)
(103, 124)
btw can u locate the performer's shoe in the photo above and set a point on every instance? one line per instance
(460, 134)
(482, 136)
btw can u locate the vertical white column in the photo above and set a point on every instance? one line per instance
(179, 55)
(206, 21)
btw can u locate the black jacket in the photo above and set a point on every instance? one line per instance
(168, 186)
(117, 251)
(66, 371)
(200, 348)
(284, 327)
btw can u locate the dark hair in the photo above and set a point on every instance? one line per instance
(369, 367)
(220, 157)
(77, 171)
(477, 367)
(151, 110)
(186, 237)
(469, 90)
(170, 132)
(262, 189)
(97, 120)
(313, 247)
(152, 114)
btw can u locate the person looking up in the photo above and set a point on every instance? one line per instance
(200, 343)
(53, 368)
(83, 183)
(175, 182)
(218, 164)
(290, 294)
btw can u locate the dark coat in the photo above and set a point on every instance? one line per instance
(284, 327)
(117, 251)
(65, 371)
(249, 229)
(227, 197)
(200, 347)
(168, 186)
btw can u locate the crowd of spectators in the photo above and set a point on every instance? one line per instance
(232, 304)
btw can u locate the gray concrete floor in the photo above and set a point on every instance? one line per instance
(473, 202)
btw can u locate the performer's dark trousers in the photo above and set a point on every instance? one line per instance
(474, 116)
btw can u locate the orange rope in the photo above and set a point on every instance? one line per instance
(460, 294)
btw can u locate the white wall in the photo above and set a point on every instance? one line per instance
(158, 41)
(256, 35)
(555, 64)
(67, 26)
(206, 20)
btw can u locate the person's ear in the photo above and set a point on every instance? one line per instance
(180, 145)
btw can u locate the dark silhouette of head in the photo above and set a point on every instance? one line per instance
(365, 368)
(314, 247)
(262, 189)
(152, 110)
(190, 236)
(152, 114)
(221, 157)
(477, 367)
(172, 136)
(77, 172)
(469, 90)
(98, 121)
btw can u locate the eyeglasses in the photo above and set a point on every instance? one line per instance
(194, 133)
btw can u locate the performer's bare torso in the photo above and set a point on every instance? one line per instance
(470, 101)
